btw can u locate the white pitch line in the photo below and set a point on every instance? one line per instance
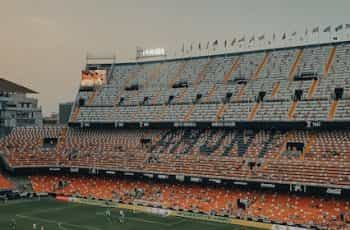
(56, 222)
(178, 222)
(148, 221)
(18, 202)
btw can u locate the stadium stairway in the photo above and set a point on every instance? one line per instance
(203, 72)
(178, 73)
(234, 67)
(295, 65)
(75, 114)
(176, 78)
(292, 109)
(332, 110)
(131, 76)
(334, 104)
(227, 77)
(200, 77)
(254, 111)
(310, 142)
(283, 146)
(240, 93)
(92, 97)
(276, 88)
(313, 88)
(261, 66)
(330, 60)
(327, 68)
(254, 77)
(221, 112)
(189, 113)
(210, 94)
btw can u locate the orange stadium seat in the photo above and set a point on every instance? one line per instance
(274, 206)
(5, 183)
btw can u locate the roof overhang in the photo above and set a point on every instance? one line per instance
(11, 87)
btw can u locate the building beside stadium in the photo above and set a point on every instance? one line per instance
(64, 111)
(17, 109)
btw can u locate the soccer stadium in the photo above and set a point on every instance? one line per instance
(225, 134)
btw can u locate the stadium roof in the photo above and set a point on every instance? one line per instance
(11, 87)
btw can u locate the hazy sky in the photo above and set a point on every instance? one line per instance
(43, 43)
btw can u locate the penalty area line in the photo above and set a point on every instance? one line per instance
(148, 221)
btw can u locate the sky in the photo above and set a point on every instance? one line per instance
(43, 43)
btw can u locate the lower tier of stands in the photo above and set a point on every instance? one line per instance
(316, 158)
(280, 207)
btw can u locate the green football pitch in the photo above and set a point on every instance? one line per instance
(72, 216)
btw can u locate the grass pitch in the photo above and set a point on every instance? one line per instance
(72, 216)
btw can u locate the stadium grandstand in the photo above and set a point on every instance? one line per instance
(258, 137)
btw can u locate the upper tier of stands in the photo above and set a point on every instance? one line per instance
(292, 84)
